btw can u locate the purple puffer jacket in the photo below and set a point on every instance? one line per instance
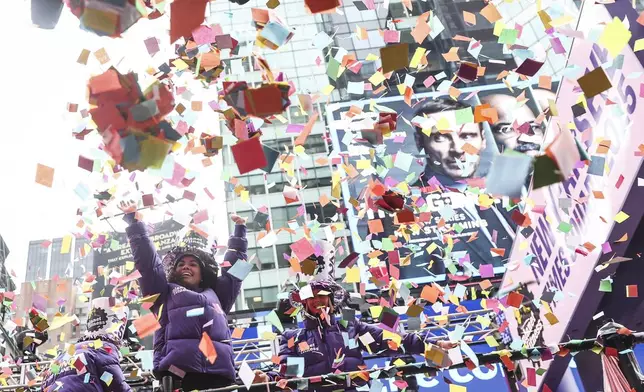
(177, 341)
(99, 362)
(324, 344)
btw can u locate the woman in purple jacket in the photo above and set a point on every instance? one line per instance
(193, 300)
(327, 345)
(93, 363)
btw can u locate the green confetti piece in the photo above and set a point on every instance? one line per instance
(387, 244)
(464, 116)
(564, 227)
(508, 36)
(606, 286)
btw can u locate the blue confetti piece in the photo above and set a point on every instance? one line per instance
(107, 377)
(194, 312)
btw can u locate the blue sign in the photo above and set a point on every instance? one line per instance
(479, 379)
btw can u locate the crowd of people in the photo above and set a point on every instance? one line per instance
(188, 278)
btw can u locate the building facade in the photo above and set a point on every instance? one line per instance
(6, 283)
(257, 194)
(47, 258)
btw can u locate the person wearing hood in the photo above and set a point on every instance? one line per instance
(29, 340)
(326, 345)
(187, 280)
(93, 363)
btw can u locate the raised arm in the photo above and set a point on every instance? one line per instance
(146, 259)
(228, 286)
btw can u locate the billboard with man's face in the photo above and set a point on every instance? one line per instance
(435, 161)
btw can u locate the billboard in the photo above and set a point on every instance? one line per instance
(465, 232)
(555, 262)
(117, 250)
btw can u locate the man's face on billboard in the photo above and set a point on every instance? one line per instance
(445, 150)
(505, 136)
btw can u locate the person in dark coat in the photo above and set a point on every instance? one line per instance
(193, 302)
(327, 345)
(29, 340)
(93, 363)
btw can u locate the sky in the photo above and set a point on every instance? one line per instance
(40, 76)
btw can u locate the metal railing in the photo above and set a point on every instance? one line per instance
(259, 347)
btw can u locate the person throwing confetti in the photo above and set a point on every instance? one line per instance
(326, 345)
(192, 303)
(93, 363)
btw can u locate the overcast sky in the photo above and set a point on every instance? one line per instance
(40, 76)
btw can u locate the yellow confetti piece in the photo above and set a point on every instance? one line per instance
(489, 339)
(327, 89)
(377, 78)
(485, 201)
(266, 335)
(552, 319)
(391, 336)
(180, 64)
(639, 45)
(66, 245)
(401, 88)
(621, 217)
(418, 55)
(375, 311)
(443, 124)
(457, 388)
(399, 362)
(353, 274)
(484, 321)
(498, 28)
(372, 57)
(431, 248)
(615, 37)
(363, 164)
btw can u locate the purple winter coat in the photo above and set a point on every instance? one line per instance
(324, 344)
(99, 361)
(177, 341)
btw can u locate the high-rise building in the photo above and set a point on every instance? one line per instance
(6, 283)
(304, 65)
(312, 60)
(45, 259)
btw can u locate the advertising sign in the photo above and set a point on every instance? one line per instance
(117, 249)
(572, 220)
(478, 230)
